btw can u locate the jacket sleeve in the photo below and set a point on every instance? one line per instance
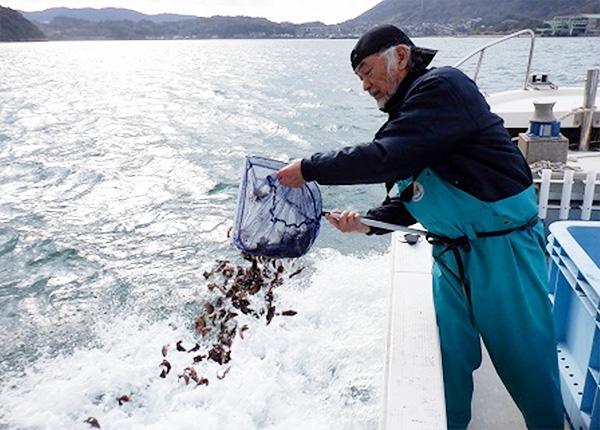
(433, 119)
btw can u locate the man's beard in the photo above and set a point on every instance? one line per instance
(383, 101)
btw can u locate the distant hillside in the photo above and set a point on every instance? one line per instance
(104, 14)
(472, 16)
(417, 17)
(15, 28)
(63, 28)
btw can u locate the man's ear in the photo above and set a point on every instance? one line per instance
(403, 52)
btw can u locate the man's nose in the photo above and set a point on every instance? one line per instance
(366, 83)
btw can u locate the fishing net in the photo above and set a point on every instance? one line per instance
(272, 220)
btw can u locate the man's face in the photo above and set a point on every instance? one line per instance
(380, 82)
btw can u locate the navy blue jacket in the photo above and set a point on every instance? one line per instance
(439, 119)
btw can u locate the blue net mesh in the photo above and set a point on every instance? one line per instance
(272, 220)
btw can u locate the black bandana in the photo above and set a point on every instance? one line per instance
(385, 36)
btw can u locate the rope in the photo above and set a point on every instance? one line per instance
(576, 111)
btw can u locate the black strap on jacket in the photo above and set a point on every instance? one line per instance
(463, 243)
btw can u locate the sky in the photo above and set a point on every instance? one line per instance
(296, 11)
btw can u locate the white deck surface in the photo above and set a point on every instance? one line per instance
(585, 161)
(516, 106)
(413, 396)
(492, 407)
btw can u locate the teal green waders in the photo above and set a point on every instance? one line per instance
(489, 281)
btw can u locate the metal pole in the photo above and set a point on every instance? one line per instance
(385, 225)
(589, 101)
(478, 66)
(529, 59)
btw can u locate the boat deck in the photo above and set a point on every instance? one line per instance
(492, 407)
(516, 106)
(586, 161)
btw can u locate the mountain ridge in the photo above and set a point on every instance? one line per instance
(16, 28)
(103, 14)
(474, 16)
(417, 17)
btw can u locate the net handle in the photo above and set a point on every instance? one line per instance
(384, 225)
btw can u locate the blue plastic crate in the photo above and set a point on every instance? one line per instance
(574, 287)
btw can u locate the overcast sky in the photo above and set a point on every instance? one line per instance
(296, 11)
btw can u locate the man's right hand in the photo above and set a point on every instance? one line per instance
(291, 175)
(347, 222)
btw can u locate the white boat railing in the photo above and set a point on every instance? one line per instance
(567, 192)
(481, 50)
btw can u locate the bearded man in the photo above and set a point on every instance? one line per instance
(455, 170)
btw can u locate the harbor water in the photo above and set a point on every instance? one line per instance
(119, 168)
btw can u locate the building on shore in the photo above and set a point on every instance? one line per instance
(572, 25)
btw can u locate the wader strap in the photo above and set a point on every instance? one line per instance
(463, 243)
(529, 224)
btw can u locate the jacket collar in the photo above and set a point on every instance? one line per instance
(397, 99)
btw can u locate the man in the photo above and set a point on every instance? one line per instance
(460, 176)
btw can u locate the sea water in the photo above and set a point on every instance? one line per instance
(119, 168)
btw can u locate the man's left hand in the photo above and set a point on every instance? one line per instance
(347, 222)
(291, 175)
